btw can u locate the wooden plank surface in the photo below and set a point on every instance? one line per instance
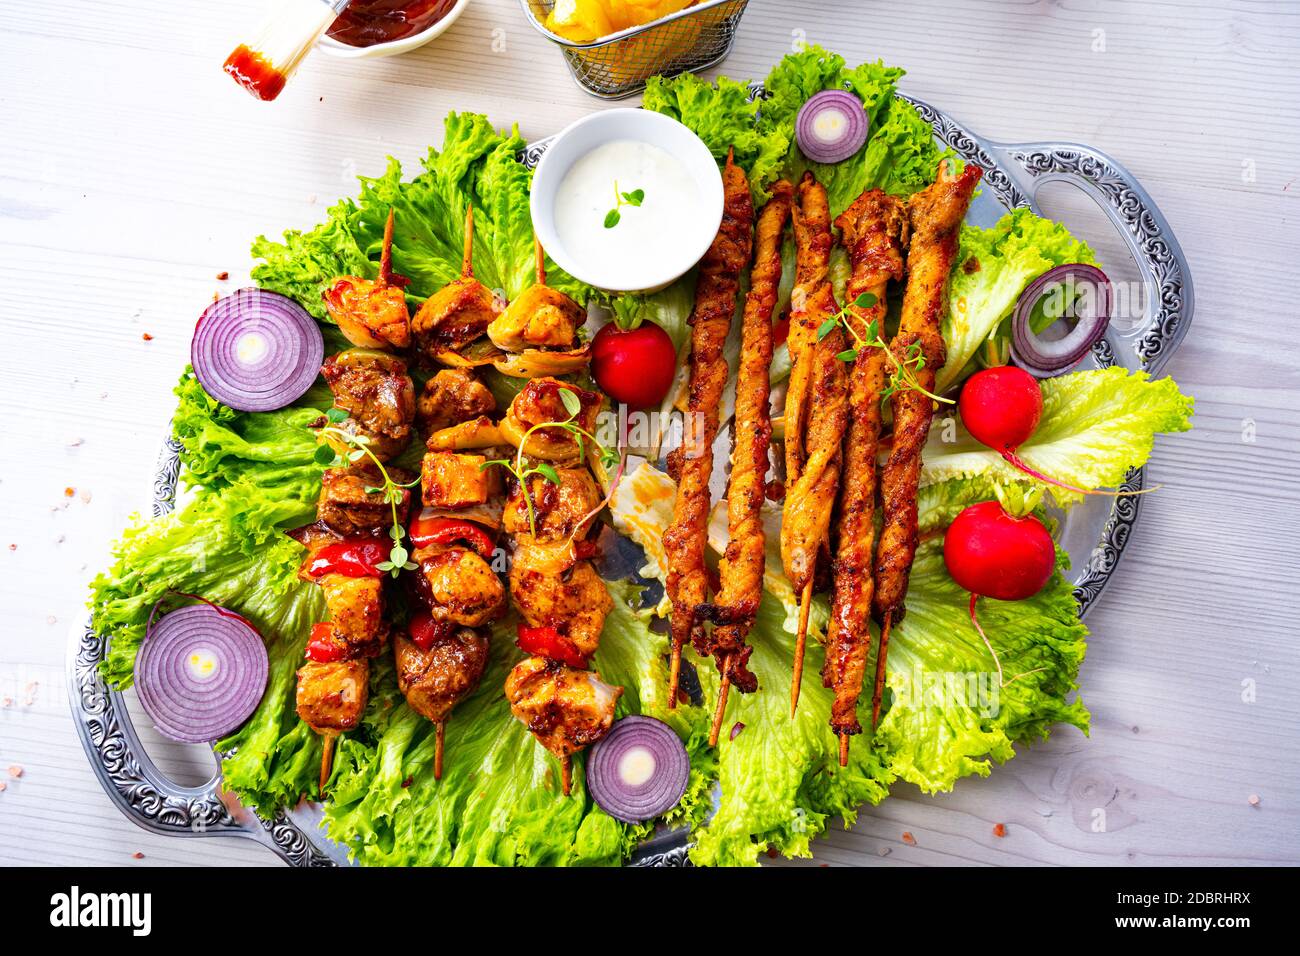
(132, 172)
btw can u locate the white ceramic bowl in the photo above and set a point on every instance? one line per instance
(697, 231)
(333, 47)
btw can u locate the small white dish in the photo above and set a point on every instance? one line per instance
(328, 44)
(699, 223)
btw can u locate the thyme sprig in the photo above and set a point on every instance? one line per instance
(903, 377)
(521, 471)
(399, 559)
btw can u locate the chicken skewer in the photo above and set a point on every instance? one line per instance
(372, 313)
(741, 570)
(538, 331)
(442, 660)
(873, 232)
(692, 464)
(348, 541)
(457, 316)
(561, 599)
(816, 411)
(935, 215)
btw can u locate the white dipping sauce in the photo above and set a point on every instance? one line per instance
(645, 235)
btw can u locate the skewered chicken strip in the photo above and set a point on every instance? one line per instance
(692, 464)
(816, 412)
(372, 313)
(741, 570)
(816, 403)
(873, 231)
(376, 391)
(936, 214)
(458, 313)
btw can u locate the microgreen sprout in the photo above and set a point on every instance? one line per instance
(522, 471)
(399, 559)
(904, 376)
(621, 199)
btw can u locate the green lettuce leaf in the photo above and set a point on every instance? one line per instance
(722, 115)
(256, 477)
(900, 155)
(993, 267)
(1096, 425)
(429, 226)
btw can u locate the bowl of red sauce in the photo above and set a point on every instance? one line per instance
(372, 28)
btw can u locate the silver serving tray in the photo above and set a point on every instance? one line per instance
(1094, 533)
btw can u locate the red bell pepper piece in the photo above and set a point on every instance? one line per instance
(323, 647)
(443, 530)
(548, 642)
(356, 558)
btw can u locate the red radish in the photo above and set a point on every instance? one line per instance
(634, 366)
(1001, 407)
(992, 553)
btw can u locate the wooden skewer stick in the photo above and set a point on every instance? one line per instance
(386, 254)
(326, 760)
(439, 736)
(566, 774)
(880, 671)
(467, 263)
(674, 675)
(844, 749)
(801, 641)
(720, 710)
(540, 253)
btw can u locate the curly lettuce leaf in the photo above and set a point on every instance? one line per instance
(900, 155)
(256, 477)
(1096, 425)
(723, 115)
(476, 162)
(993, 267)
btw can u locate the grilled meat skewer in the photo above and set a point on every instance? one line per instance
(372, 313)
(873, 231)
(935, 215)
(817, 405)
(692, 464)
(741, 570)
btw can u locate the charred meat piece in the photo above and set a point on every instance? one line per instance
(539, 403)
(454, 480)
(574, 602)
(332, 696)
(459, 586)
(452, 396)
(539, 317)
(435, 680)
(564, 708)
(458, 313)
(356, 609)
(560, 511)
(376, 391)
(345, 505)
(369, 313)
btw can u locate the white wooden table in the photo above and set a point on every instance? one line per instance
(132, 172)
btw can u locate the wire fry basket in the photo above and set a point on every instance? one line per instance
(618, 65)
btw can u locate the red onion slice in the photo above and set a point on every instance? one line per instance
(256, 351)
(831, 126)
(638, 770)
(1045, 358)
(201, 673)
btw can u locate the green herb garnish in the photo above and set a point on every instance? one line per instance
(621, 199)
(903, 378)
